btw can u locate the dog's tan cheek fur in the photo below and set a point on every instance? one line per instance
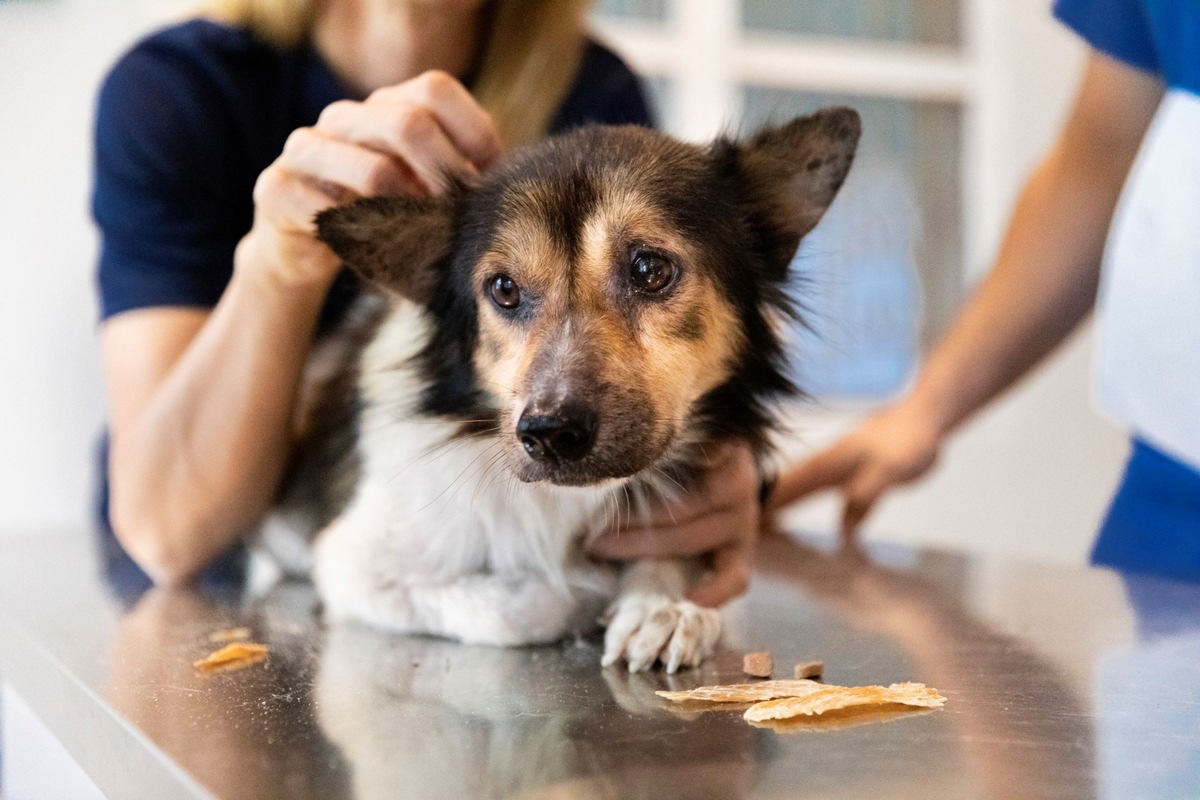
(680, 368)
(498, 359)
(680, 349)
(524, 251)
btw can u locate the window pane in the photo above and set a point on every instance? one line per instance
(642, 10)
(921, 21)
(661, 93)
(881, 273)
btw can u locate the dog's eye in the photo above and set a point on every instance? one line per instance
(651, 272)
(505, 292)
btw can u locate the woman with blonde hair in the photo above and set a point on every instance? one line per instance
(217, 141)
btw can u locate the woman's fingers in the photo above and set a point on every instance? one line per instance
(731, 480)
(732, 567)
(824, 470)
(464, 121)
(321, 158)
(699, 535)
(427, 150)
(290, 203)
(861, 493)
(407, 132)
(431, 124)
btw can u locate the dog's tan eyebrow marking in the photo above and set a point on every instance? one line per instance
(559, 208)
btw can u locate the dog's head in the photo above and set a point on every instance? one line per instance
(603, 300)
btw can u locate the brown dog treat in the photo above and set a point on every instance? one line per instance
(808, 670)
(758, 665)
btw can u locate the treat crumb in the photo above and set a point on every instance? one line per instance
(758, 665)
(808, 670)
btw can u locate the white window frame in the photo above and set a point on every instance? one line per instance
(704, 51)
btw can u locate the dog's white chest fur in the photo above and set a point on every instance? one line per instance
(440, 538)
(432, 509)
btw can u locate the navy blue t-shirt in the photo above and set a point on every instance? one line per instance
(185, 123)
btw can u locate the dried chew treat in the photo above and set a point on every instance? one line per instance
(831, 698)
(758, 665)
(744, 692)
(238, 655)
(808, 670)
(229, 635)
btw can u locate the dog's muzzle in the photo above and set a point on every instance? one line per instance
(558, 436)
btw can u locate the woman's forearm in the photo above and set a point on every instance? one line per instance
(199, 462)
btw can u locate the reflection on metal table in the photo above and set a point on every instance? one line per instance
(1061, 683)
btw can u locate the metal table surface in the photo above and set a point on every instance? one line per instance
(1061, 683)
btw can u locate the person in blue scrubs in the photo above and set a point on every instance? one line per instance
(1125, 171)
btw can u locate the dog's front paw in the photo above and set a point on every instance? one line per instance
(649, 628)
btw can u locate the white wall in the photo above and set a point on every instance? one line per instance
(1030, 477)
(52, 54)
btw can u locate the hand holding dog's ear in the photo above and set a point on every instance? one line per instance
(796, 170)
(416, 139)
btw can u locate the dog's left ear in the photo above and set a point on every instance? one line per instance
(394, 243)
(797, 169)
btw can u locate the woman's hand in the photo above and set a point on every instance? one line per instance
(720, 516)
(894, 447)
(405, 139)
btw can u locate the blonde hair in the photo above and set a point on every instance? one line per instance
(530, 55)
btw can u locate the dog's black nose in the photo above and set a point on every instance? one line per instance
(561, 435)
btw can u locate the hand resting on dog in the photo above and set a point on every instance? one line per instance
(721, 517)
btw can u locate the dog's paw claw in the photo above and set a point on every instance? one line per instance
(646, 630)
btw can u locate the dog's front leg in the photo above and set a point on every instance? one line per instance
(650, 621)
(502, 610)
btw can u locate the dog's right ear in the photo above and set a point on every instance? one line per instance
(394, 243)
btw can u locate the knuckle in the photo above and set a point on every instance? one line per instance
(378, 174)
(298, 143)
(413, 123)
(335, 111)
(382, 94)
(436, 84)
(487, 124)
(268, 183)
(863, 495)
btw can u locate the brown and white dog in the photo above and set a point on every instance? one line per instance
(570, 332)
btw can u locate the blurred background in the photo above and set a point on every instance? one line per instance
(958, 97)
